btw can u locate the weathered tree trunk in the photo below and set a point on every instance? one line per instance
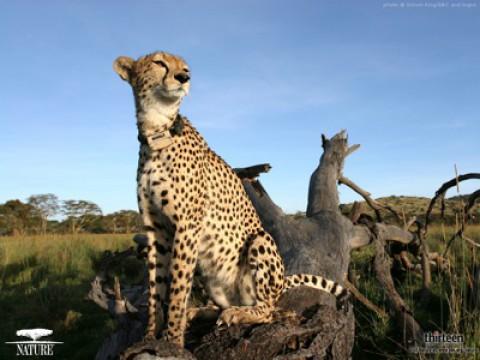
(320, 243)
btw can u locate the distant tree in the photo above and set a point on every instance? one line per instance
(123, 221)
(79, 213)
(110, 223)
(127, 220)
(46, 206)
(17, 218)
(94, 224)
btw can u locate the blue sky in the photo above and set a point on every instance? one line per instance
(268, 78)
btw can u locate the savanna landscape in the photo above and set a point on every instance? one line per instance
(137, 218)
(44, 280)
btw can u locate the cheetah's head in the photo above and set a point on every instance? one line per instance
(157, 77)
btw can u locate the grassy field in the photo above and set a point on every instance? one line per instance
(44, 280)
(446, 309)
(43, 283)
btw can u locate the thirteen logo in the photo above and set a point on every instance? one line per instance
(34, 347)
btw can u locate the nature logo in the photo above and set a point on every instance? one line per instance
(34, 347)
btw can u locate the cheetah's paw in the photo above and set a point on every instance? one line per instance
(231, 316)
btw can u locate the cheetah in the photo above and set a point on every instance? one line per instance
(196, 213)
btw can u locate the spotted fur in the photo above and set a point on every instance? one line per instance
(196, 212)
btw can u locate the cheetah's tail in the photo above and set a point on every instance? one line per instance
(317, 282)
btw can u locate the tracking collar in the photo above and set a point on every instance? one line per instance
(163, 138)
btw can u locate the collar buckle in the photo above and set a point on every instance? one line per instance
(163, 138)
(160, 140)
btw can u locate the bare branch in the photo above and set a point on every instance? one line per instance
(442, 191)
(360, 297)
(363, 193)
(356, 211)
(352, 149)
(375, 205)
(410, 222)
(252, 172)
(406, 261)
(472, 242)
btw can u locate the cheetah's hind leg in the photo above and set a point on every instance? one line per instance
(266, 269)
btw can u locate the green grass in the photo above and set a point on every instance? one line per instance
(43, 283)
(445, 310)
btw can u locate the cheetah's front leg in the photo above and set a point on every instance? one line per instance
(182, 268)
(158, 255)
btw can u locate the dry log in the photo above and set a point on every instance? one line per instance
(318, 330)
(307, 243)
(127, 306)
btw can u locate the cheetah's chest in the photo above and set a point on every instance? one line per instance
(171, 186)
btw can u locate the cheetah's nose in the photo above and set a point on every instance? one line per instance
(182, 77)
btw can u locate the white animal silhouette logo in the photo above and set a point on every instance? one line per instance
(34, 334)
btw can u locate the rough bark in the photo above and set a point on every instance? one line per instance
(316, 330)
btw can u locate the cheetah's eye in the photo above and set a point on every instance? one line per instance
(161, 63)
(186, 70)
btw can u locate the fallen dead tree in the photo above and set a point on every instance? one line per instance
(323, 239)
(319, 243)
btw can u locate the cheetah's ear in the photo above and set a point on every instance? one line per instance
(123, 67)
